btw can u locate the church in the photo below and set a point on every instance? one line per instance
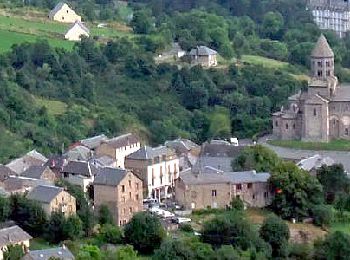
(321, 112)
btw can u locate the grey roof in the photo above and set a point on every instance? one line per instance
(45, 254)
(342, 93)
(56, 9)
(35, 172)
(94, 142)
(104, 160)
(22, 184)
(212, 176)
(147, 152)
(109, 176)
(5, 172)
(315, 162)
(202, 51)
(44, 193)
(81, 25)
(78, 153)
(80, 168)
(13, 235)
(123, 140)
(222, 163)
(33, 157)
(222, 149)
(322, 49)
(182, 145)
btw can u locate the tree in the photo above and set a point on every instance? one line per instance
(334, 246)
(89, 252)
(276, 232)
(126, 253)
(272, 25)
(72, 228)
(144, 232)
(173, 249)
(227, 252)
(142, 22)
(14, 252)
(237, 204)
(220, 124)
(110, 234)
(55, 228)
(5, 209)
(322, 215)
(334, 181)
(104, 215)
(296, 191)
(258, 158)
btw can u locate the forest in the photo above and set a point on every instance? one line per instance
(117, 87)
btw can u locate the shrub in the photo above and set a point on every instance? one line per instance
(186, 227)
(322, 214)
(237, 204)
(110, 234)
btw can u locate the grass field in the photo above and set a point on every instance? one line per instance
(54, 107)
(265, 62)
(335, 145)
(16, 29)
(344, 227)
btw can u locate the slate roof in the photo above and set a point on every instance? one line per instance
(123, 140)
(34, 172)
(222, 163)
(81, 25)
(33, 157)
(80, 168)
(104, 160)
(44, 193)
(79, 152)
(220, 149)
(147, 152)
(5, 172)
(46, 254)
(56, 9)
(109, 176)
(210, 176)
(322, 49)
(202, 51)
(342, 94)
(21, 184)
(13, 235)
(315, 162)
(94, 142)
(182, 145)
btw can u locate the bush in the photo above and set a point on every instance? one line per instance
(323, 215)
(111, 234)
(186, 227)
(237, 204)
(300, 251)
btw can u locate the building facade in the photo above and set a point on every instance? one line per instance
(64, 14)
(76, 32)
(204, 56)
(216, 189)
(53, 199)
(331, 15)
(119, 147)
(158, 167)
(321, 112)
(121, 191)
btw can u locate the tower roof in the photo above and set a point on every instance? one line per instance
(322, 49)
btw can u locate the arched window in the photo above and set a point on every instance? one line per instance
(315, 112)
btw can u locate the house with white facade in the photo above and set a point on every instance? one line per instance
(119, 147)
(64, 14)
(158, 167)
(76, 32)
(331, 15)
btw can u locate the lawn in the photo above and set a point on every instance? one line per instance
(334, 145)
(39, 244)
(263, 61)
(54, 107)
(344, 227)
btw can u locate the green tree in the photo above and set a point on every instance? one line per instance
(142, 22)
(126, 253)
(72, 228)
(55, 228)
(104, 215)
(237, 204)
(334, 181)
(220, 124)
(296, 191)
(276, 232)
(322, 215)
(110, 234)
(272, 24)
(334, 246)
(89, 252)
(173, 249)
(14, 252)
(5, 209)
(144, 232)
(257, 158)
(226, 252)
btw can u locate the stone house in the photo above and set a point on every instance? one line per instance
(79, 173)
(76, 32)
(13, 235)
(321, 112)
(53, 199)
(20, 185)
(64, 14)
(204, 56)
(119, 147)
(210, 188)
(31, 158)
(158, 168)
(49, 254)
(121, 191)
(93, 142)
(40, 173)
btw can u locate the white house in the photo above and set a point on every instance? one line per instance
(119, 147)
(158, 168)
(64, 14)
(76, 31)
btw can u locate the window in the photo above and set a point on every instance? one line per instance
(328, 73)
(130, 184)
(62, 17)
(328, 64)
(137, 197)
(120, 222)
(250, 185)
(129, 195)
(319, 73)
(253, 196)
(124, 210)
(67, 11)
(239, 187)
(152, 177)
(123, 188)
(130, 210)
(293, 126)
(213, 193)
(315, 112)
(346, 131)
(161, 174)
(123, 199)
(319, 64)
(137, 186)
(276, 123)
(287, 126)
(266, 194)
